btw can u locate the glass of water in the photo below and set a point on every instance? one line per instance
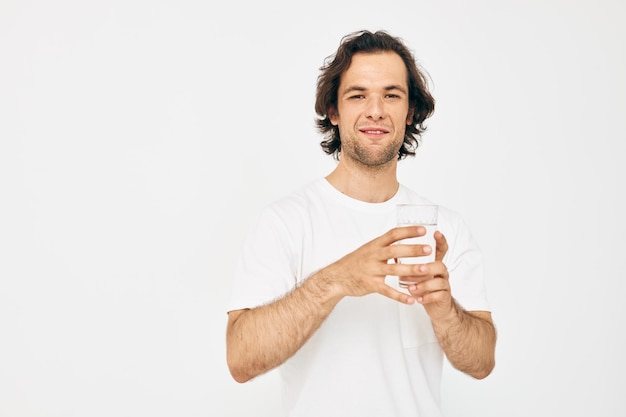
(418, 215)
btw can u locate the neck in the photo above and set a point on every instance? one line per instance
(369, 184)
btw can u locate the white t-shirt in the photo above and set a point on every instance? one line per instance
(372, 356)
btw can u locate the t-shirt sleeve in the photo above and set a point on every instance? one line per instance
(264, 270)
(465, 264)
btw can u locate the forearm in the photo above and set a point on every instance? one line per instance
(260, 339)
(468, 340)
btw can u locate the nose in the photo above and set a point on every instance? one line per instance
(375, 108)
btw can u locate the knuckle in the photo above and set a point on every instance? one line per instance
(385, 252)
(394, 233)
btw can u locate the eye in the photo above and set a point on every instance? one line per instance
(392, 96)
(356, 97)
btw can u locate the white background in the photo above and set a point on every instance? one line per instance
(138, 139)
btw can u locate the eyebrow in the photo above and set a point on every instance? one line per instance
(357, 88)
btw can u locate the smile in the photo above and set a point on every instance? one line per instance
(374, 131)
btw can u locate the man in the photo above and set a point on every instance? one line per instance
(315, 290)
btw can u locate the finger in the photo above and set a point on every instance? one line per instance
(427, 286)
(442, 245)
(399, 233)
(405, 270)
(394, 294)
(402, 250)
(435, 299)
(435, 269)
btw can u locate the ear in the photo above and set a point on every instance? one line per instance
(409, 116)
(333, 116)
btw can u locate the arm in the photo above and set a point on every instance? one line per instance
(468, 338)
(264, 337)
(259, 339)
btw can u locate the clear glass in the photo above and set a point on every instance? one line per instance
(418, 215)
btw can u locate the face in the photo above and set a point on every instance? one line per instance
(372, 109)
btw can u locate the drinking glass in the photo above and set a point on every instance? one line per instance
(418, 215)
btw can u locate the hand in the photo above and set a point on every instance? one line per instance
(432, 286)
(363, 271)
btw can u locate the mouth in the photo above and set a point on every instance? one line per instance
(373, 131)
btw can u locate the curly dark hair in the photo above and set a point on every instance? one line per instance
(420, 99)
